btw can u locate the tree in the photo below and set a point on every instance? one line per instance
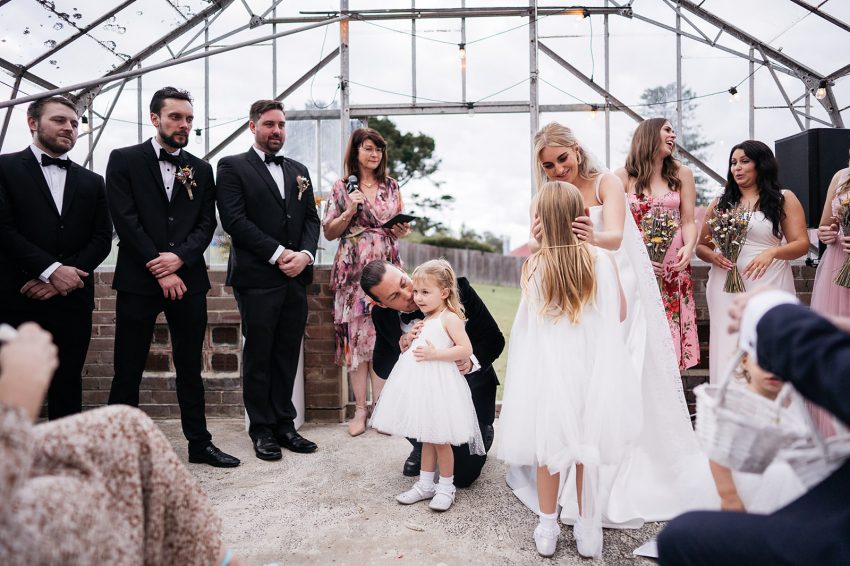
(411, 156)
(661, 101)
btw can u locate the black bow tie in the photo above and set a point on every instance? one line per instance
(165, 156)
(47, 160)
(408, 317)
(276, 159)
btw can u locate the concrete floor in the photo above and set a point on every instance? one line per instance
(337, 506)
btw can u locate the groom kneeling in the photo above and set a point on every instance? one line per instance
(395, 317)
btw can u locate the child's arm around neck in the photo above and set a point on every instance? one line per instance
(462, 349)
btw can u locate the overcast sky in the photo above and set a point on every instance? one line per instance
(485, 158)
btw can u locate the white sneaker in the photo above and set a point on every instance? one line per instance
(588, 539)
(546, 539)
(444, 497)
(415, 494)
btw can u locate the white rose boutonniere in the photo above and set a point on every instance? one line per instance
(303, 185)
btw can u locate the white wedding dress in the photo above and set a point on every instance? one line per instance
(665, 472)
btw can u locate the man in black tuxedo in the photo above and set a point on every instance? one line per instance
(266, 205)
(799, 346)
(395, 326)
(54, 232)
(162, 200)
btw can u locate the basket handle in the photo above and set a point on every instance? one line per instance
(726, 376)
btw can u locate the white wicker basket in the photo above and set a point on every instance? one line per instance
(740, 429)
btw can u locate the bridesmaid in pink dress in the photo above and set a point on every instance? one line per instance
(827, 297)
(654, 178)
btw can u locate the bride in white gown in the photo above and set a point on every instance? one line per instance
(665, 473)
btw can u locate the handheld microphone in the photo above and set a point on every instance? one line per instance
(352, 185)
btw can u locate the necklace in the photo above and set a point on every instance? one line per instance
(367, 185)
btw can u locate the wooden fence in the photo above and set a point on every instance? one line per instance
(477, 266)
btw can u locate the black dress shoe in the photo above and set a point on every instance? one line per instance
(266, 447)
(209, 454)
(413, 463)
(295, 442)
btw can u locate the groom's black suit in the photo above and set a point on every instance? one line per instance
(487, 344)
(33, 236)
(148, 223)
(273, 306)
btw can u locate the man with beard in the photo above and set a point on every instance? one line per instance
(162, 200)
(267, 207)
(54, 232)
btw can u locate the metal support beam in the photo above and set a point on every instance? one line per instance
(413, 55)
(782, 91)
(363, 111)
(93, 144)
(533, 72)
(752, 88)
(427, 13)
(206, 88)
(16, 70)
(625, 109)
(79, 34)
(140, 132)
(679, 107)
(344, 99)
(119, 76)
(89, 92)
(607, 83)
(300, 81)
(8, 117)
(824, 15)
(463, 55)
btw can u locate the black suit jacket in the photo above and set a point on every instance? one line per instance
(147, 223)
(483, 331)
(804, 348)
(259, 220)
(34, 234)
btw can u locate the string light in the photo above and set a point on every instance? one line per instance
(198, 136)
(462, 48)
(820, 93)
(85, 124)
(734, 94)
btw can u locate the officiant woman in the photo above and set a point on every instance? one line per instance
(356, 216)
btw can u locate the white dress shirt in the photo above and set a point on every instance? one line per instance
(276, 172)
(55, 178)
(166, 169)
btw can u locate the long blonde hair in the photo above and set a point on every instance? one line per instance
(566, 265)
(640, 162)
(554, 134)
(441, 272)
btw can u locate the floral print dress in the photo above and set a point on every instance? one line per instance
(677, 286)
(363, 241)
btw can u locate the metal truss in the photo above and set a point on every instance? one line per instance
(688, 13)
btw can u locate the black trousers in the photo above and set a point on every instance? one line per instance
(273, 322)
(482, 385)
(135, 318)
(814, 529)
(71, 330)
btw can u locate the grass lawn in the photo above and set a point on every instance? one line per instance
(502, 303)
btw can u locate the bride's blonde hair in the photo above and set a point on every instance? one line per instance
(566, 265)
(441, 273)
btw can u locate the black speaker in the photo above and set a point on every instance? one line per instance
(807, 162)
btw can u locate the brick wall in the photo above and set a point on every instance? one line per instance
(326, 391)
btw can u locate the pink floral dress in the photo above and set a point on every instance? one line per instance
(677, 287)
(363, 241)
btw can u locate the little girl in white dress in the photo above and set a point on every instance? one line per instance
(425, 396)
(572, 394)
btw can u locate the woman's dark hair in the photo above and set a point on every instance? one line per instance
(767, 179)
(350, 162)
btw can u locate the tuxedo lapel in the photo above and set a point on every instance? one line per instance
(70, 188)
(34, 169)
(152, 162)
(263, 172)
(289, 183)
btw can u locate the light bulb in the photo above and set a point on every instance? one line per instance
(85, 128)
(820, 93)
(734, 96)
(198, 136)
(462, 57)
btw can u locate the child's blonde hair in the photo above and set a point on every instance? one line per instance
(567, 267)
(441, 272)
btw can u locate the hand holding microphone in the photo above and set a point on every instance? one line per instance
(355, 195)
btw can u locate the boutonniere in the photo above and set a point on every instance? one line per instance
(303, 185)
(185, 175)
